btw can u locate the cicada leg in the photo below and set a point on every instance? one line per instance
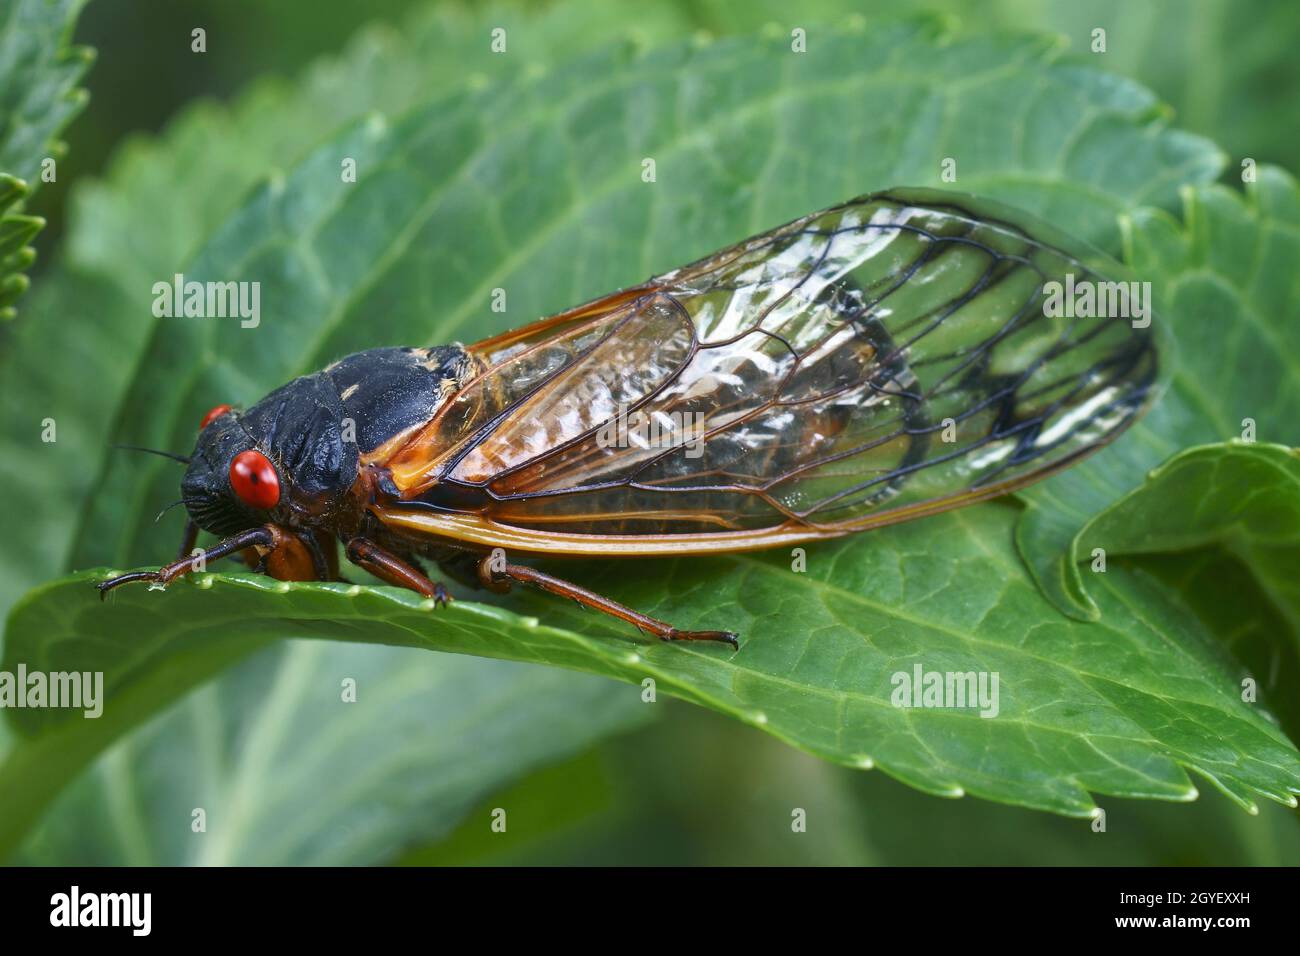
(389, 567)
(494, 573)
(190, 536)
(324, 553)
(266, 539)
(284, 554)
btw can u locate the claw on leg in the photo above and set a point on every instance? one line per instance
(728, 637)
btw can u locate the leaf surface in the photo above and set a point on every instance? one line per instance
(39, 95)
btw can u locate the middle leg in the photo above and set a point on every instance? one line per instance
(387, 566)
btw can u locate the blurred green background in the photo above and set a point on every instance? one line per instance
(688, 786)
(1224, 67)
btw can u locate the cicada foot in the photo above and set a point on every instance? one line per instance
(729, 637)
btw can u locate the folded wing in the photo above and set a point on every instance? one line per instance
(888, 357)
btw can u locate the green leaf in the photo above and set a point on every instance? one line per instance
(156, 196)
(1242, 497)
(659, 791)
(1223, 521)
(1122, 707)
(1217, 69)
(967, 833)
(1224, 282)
(39, 72)
(535, 187)
(1229, 598)
(288, 773)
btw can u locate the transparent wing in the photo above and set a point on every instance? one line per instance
(893, 354)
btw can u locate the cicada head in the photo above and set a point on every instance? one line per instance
(285, 460)
(212, 486)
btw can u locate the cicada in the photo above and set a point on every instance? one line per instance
(882, 360)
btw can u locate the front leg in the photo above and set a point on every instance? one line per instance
(265, 540)
(387, 566)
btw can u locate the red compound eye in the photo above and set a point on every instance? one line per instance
(254, 479)
(215, 413)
